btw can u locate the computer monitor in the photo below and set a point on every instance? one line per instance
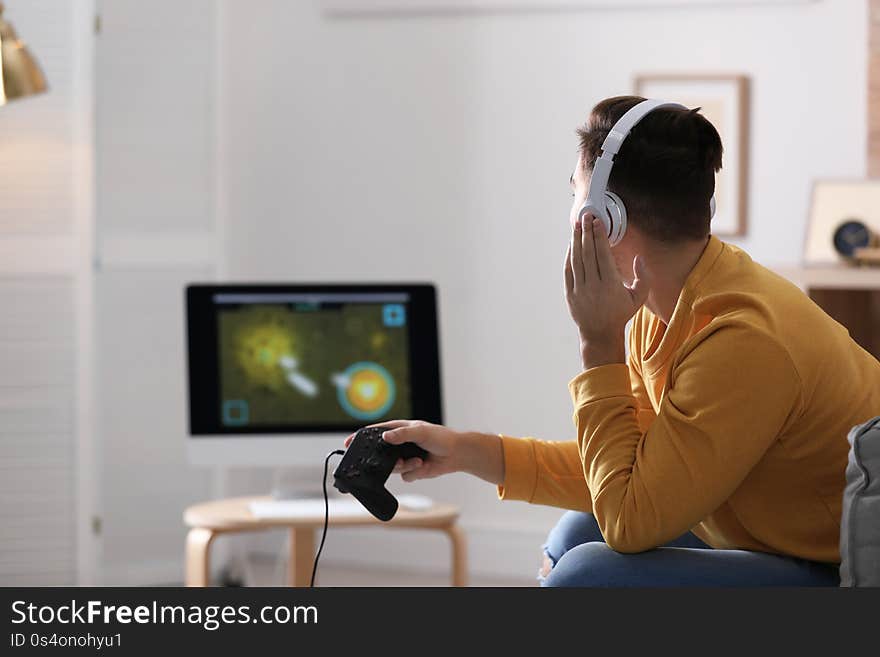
(280, 374)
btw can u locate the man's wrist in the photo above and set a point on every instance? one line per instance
(595, 353)
(481, 455)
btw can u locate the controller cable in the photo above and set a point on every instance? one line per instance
(335, 452)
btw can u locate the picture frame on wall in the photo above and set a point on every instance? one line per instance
(724, 101)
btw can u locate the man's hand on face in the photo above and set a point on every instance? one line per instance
(599, 301)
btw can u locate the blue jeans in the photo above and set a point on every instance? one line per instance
(580, 557)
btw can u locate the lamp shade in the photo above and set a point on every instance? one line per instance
(21, 75)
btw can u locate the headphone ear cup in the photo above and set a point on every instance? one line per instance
(597, 212)
(616, 212)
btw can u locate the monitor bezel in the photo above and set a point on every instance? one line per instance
(201, 322)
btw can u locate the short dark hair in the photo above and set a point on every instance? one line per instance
(665, 170)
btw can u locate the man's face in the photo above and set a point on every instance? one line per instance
(580, 185)
(625, 250)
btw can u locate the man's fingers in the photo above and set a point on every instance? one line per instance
(392, 423)
(604, 259)
(402, 467)
(591, 259)
(404, 434)
(569, 276)
(575, 257)
(416, 474)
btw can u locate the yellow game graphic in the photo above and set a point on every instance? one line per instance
(259, 351)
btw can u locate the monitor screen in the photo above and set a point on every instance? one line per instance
(288, 359)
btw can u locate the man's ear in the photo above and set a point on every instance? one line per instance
(641, 284)
(630, 247)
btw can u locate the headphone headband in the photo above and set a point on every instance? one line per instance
(611, 146)
(601, 203)
(621, 129)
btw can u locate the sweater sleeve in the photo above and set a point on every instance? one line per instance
(644, 409)
(730, 393)
(544, 472)
(645, 414)
(550, 472)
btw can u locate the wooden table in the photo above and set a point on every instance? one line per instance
(230, 516)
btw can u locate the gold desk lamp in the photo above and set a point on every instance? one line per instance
(21, 75)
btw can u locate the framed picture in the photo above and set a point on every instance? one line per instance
(724, 100)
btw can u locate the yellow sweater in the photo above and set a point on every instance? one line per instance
(730, 422)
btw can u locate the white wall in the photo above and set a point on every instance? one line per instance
(439, 148)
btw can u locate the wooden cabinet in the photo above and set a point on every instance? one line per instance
(850, 295)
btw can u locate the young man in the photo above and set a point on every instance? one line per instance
(714, 454)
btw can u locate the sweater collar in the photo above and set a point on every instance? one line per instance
(681, 322)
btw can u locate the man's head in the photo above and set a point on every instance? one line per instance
(664, 172)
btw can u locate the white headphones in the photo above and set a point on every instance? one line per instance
(608, 206)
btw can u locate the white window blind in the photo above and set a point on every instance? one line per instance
(37, 446)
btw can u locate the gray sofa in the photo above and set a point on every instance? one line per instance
(860, 522)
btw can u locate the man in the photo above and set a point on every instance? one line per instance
(714, 453)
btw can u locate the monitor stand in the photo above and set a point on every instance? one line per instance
(300, 483)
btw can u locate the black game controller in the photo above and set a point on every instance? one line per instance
(366, 467)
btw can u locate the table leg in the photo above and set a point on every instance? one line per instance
(302, 556)
(198, 552)
(459, 555)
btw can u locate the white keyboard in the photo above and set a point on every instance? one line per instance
(308, 508)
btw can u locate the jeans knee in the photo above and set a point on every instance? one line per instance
(546, 567)
(589, 565)
(572, 529)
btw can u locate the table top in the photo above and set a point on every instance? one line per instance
(234, 514)
(832, 276)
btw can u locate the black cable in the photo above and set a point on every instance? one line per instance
(335, 452)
